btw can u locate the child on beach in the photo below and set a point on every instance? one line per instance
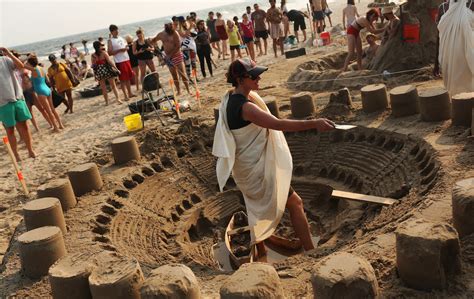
(248, 35)
(235, 40)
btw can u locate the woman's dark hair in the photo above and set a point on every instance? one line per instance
(372, 12)
(97, 47)
(199, 23)
(235, 73)
(351, 2)
(32, 60)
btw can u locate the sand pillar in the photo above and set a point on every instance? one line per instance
(69, 276)
(463, 207)
(119, 277)
(85, 178)
(176, 277)
(344, 275)
(374, 97)
(302, 105)
(44, 212)
(125, 149)
(427, 253)
(435, 105)
(39, 249)
(60, 189)
(462, 106)
(404, 101)
(273, 107)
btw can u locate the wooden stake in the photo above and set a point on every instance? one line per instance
(17, 169)
(176, 102)
(310, 23)
(198, 94)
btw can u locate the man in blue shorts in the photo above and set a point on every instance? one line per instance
(13, 109)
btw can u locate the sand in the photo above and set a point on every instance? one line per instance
(165, 208)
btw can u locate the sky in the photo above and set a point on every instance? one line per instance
(28, 21)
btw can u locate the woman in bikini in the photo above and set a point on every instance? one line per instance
(104, 69)
(143, 50)
(354, 43)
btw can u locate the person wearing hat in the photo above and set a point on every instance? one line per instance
(250, 144)
(371, 50)
(392, 26)
(59, 77)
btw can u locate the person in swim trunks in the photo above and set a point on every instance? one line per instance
(174, 57)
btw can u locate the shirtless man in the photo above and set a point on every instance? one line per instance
(174, 57)
(392, 26)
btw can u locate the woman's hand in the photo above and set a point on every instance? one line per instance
(324, 124)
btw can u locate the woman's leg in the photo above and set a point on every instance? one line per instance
(351, 40)
(299, 221)
(41, 109)
(200, 53)
(137, 73)
(33, 120)
(142, 67)
(207, 55)
(224, 49)
(24, 131)
(48, 107)
(114, 89)
(232, 55)
(69, 100)
(359, 52)
(104, 91)
(251, 48)
(54, 112)
(239, 53)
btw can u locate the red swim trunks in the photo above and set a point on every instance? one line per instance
(175, 60)
(126, 72)
(353, 31)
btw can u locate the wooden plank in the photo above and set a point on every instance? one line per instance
(238, 230)
(364, 198)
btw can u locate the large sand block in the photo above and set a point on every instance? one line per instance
(427, 253)
(272, 105)
(171, 281)
(125, 149)
(344, 275)
(69, 276)
(39, 249)
(302, 105)
(404, 100)
(253, 280)
(374, 97)
(60, 189)
(44, 212)
(116, 277)
(463, 207)
(462, 106)
(85, 178)
(435, 105)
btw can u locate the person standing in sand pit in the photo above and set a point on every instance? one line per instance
(174, 57)
(258, 19)
(117, 47)
(249, 143)
(274, 19)
(13, 109)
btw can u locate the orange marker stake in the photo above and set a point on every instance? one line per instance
(198, 94)
(17, 169)
(176, 102)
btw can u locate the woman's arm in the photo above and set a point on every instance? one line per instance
(344, 18)
(372, 29)
(357, 13)
(134, 49)
(28, 67)
(252, 113)
(109, 61)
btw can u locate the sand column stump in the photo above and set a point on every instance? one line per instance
(69, 276)
(302, 105)
(44, 212)
(85, 178)
(404, 101)
(462, 105)
(39, 249)
(176, 279)
(344, 275)
(435, 105)
(118, 278)
(427, 253)
(254, 280)
(125, 149)
(463, 207)
(272, 105)
(60, 189)
(374, 97)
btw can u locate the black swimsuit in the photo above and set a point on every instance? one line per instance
(147, 55)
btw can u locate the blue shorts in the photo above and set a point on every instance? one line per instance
(318, 15)
(14, 112)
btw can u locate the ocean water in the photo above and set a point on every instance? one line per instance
(151, 27)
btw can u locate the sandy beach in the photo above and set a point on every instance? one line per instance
(165, 208)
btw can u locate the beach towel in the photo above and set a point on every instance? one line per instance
(261, 165)
(456, 48)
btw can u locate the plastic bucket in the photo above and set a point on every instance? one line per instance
(411, 33)
(326, 37)
(133, 122)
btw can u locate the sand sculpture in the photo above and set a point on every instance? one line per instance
(435, 105)
(85, 178)
(427, 253)
(302, 105)
(125, 149)
(45, 242)
(272, 105)
(404, 100)
(374, 97)
(216, 113)
(255, 280)
(171, 281)
(462, 106)
(344, 275)
(60, 189)
(44, 212)
(463, 207)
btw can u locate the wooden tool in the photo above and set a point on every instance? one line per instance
(176, 102)
(363, 197)
(17, 169)
(198, 94)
